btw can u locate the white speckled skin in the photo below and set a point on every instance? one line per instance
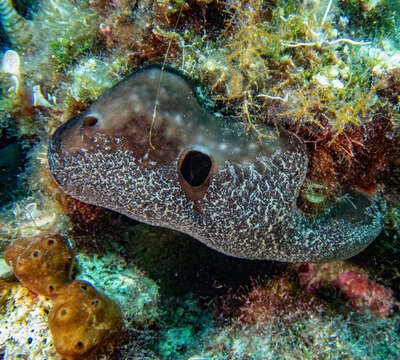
(249, 207)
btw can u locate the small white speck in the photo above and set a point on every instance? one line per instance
(337, 84)
(178, 119)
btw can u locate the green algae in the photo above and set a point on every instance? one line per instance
(65, 50)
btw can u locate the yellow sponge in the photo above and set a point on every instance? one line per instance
(82, 320)
(42, 263)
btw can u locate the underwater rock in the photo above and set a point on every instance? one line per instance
(5, 270)
(82, 320)
(42, 263)
(24, 332)
(147, 149)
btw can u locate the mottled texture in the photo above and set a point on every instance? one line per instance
(24, 333)
(200, 174)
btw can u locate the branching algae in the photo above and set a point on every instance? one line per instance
(202, 175)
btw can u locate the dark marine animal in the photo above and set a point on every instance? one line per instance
(147, 149)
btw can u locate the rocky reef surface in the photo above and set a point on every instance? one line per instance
(327, 71)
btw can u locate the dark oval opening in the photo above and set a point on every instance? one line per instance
(63, 312)
(90, 121)
(79, 345)
(195, 167)
(36, 253)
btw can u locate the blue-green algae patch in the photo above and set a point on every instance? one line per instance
(185, 327)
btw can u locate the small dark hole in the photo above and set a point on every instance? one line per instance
(195, 167)
(29, 340)
(36, 253)
(64, 312)
(51, 288)
(79, 345)
(50, 242)
(90, 121)
(95, 303)
(83, 287)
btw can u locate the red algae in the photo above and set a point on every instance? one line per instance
(364, 293)
(353, 283)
